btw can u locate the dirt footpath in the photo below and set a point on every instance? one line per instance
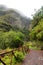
(34, 57)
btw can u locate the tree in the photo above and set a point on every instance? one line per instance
(37, 27)
(11, 39)
(37, 17)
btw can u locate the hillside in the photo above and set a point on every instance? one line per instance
(12, 18)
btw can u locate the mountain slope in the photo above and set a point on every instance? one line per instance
(14, 18)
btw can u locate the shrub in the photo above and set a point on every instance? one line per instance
(11, 39)
(19, 56)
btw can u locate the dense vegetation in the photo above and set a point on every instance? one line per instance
(37, 27)
(11, 39)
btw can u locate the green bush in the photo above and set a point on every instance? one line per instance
(40, 36)
(11, 39)
(19, 56)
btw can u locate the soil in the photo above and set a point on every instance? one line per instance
(34, 57)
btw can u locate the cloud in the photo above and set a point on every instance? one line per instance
(25, 6)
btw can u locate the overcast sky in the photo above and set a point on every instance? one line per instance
(25, 6)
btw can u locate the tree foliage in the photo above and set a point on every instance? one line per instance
(37, 26)
(11, 39)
